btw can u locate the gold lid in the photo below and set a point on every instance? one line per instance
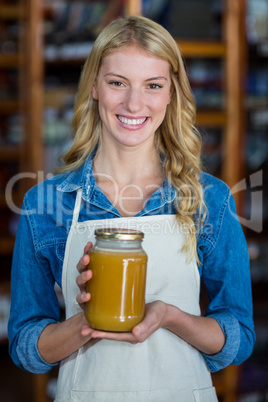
(119, 234)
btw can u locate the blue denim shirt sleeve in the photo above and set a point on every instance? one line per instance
(226, 275)
(31, 308)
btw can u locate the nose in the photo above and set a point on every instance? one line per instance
(133, 101)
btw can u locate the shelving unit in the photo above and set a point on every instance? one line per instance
(231, 50)
(22, 149)
(9, 105)
(21, 145)
(257, 163)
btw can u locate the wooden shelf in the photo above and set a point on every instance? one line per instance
(9, 152)
(188, 49)
(6, 246)
(11, 12)
(12, 60)
(211, 118)
(202, 48)
(9, 106)
(55, 97)
(225, 382)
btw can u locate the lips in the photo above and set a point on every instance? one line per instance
(132, 122)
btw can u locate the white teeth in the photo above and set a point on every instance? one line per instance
(133, 122)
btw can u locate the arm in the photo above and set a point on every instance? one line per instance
(37, 341)
(34, 304)
(226, 275)
(58, 341)
(204, 333)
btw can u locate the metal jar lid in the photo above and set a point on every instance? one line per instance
(119, 234)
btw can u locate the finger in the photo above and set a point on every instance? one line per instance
(84, 260)
(153, 314)
(141, 333)
(83, 298)
(115, 336)
(86, 330)
(82, 263)
(88, 247)
(83, 278)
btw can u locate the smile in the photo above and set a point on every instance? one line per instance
(131, 122)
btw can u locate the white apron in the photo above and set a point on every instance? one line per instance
(164, 368)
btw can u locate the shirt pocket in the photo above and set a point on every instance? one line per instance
(205, 395)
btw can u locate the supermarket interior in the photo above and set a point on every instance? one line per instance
(224, 43)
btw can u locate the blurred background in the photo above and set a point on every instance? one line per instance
(43, 45)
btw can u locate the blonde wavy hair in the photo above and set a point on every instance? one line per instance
(177, 137)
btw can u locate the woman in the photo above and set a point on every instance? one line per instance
(135, 161)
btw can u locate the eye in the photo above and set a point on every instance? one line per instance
(116, 83)
(154, 86)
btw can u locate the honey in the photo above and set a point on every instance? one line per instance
(118, 264)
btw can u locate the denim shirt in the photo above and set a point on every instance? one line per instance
(45, 221)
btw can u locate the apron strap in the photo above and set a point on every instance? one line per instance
(76, 212)
(77, 206)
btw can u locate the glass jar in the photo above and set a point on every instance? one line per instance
(117, 287)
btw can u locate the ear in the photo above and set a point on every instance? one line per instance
(94, 92)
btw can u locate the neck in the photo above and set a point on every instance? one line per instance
(128, 165)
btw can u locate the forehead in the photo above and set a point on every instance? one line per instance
(134, 58)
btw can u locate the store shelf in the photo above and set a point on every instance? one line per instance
(10, 60)
(66, 54)
(12, 12)
(202, 48)
(211, 118)
(9, 152)
(6, 246)
(9, 106)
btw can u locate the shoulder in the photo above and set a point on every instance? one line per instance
(216, 195)
(219, 201)
(214, 189)
(43, 191)
(47, 189)
(48, 210)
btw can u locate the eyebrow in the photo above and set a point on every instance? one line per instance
(160, 77)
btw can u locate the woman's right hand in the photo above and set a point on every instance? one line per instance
(83, 277)
(59, 340)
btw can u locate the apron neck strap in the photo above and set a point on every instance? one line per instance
(77, 206)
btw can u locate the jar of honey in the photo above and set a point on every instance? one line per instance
(117, 287)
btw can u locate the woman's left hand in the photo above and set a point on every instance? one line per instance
(203, 333)
(153, 320)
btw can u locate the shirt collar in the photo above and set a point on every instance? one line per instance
(84, 178)
(79, 178)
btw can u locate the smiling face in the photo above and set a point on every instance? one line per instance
(133, 89)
